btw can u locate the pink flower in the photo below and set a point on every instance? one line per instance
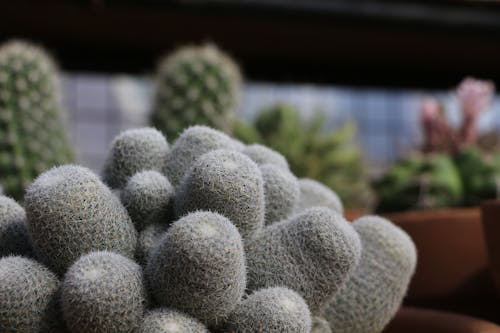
(475, 96)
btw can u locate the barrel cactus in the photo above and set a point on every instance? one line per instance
(32, 133)
(196, 85)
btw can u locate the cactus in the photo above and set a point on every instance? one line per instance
(170, 321)
(320, 325)
(281, 192)
(71, 212)
(29, 297)
(148, 238)
(263, 155)
(148, 198)
(331, 157)
(191, 144)
(133, 151)
(103, 292)
(14, 238)
(196, 85)
(272, 310)
(376, 288)
(199, 267)
(32, 133)
(313, 193)
(227, 182)
(312, 253)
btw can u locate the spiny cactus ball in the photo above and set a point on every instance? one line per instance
(148, 198)
(71, 212)
(314, 193)
(28, 297)
(376, 288)
(32, 133)
(196, 85)
(147, 240)
(170, 321)
(14, 238)
(133, 151)
(199, 267)
(103, 292)
(227, 182)
(320, 325)
(263, 155)
(191, 144)
(272, 310)
(281, 192)
(312, 253)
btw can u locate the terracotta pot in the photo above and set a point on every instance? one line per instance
(414, 320)
(452, 257)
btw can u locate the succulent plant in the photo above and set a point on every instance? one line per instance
(263, 155)
(312, 253)
(103, 292)
(29, 297)
(196, 85)
(191, 144)
(170, 321)
(320, 325)
(133, 151)
(71, 212)
(198, 267)
(375, 290)
(227, 182)
(420, 182)
(32, 133)
(333, 157)
(271, 310)
(14, 238)
(148, 198)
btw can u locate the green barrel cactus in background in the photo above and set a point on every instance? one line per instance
(32, 133)
(196, 85)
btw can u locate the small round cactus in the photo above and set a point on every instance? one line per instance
(196, 85)
(312, 253)
(71, 212)
(272, 310)
(376, 288)
(133, 151)
(103, 292)
(148, 198)
(281, 192)
(263, 155)
(199, 267)
(227, 182)
(191, 144)
(170, 321)
(148, 239)
(320, 325)
(28, 297)
(313, 193)
(14, 238)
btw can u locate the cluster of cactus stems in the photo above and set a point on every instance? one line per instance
(204, 235)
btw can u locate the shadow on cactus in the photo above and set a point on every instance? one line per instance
(333, 158)
(196, 85)
(32, 133)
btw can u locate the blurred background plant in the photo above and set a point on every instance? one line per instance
(332, 157)
(33, 137)
(454, 166)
